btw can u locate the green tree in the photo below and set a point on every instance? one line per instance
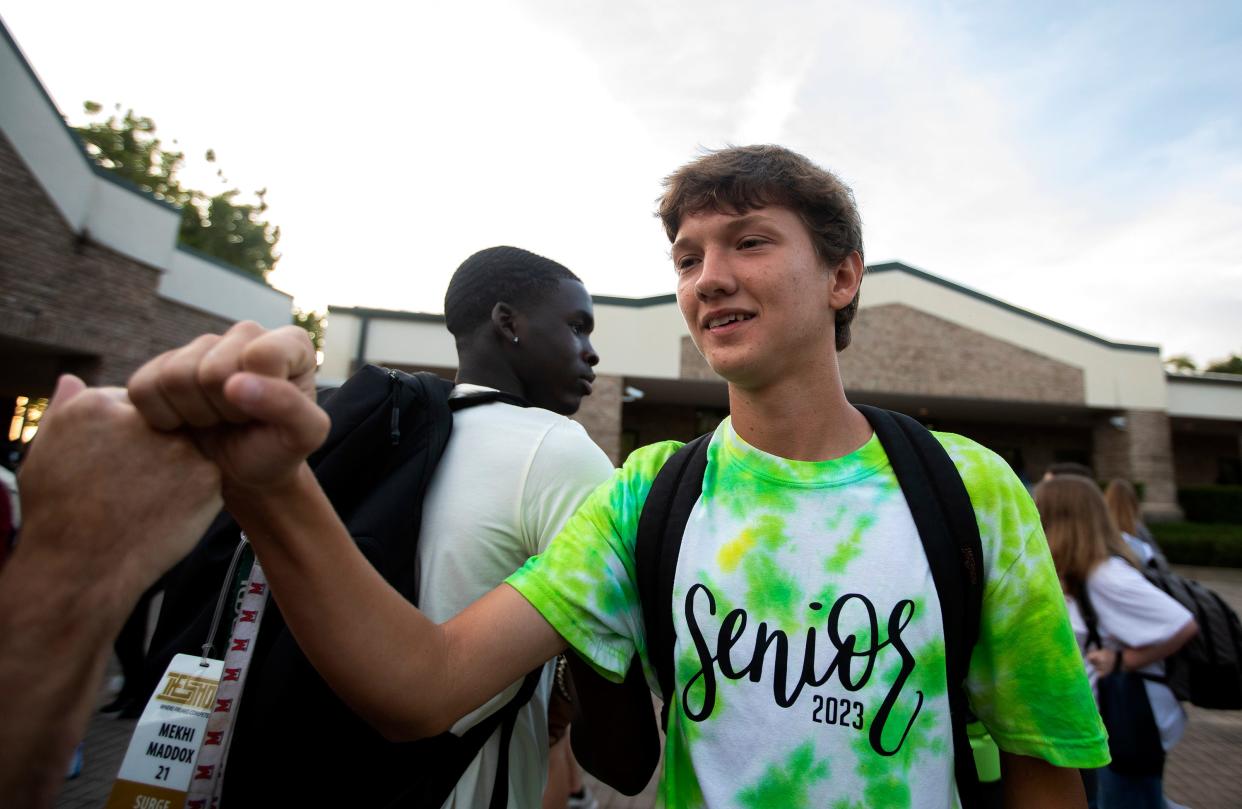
(129, 148)
(1229, 365)
(218, 225)
(314, 323)
(231, 231)
(1180, 363)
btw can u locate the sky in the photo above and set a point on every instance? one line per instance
(1080, 160)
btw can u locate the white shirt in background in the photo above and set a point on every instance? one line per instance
(1133, 612)
(509, 479)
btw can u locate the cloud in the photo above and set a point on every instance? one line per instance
(1070, 162)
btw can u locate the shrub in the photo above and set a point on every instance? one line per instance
(1188, 543)
(1211, 503)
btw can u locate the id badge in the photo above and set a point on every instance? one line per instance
(159, 763)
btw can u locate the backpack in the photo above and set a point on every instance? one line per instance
(1133, 737)
(614, 725)
(295, 742)
(1207, 671)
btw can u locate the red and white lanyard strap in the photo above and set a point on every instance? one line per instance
(205, 786)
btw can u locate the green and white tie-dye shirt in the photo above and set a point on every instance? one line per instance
(810, 652)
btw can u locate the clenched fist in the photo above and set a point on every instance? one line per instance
(247, 398)
(104, 492)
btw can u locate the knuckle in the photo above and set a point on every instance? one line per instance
(298, 334)
(145, 377)
(91, 403)
(178, 376)
(214, 371)
(245, 328)
(203, 342)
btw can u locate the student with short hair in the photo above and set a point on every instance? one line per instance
(512, 472)
(810, 651)
(510, 476)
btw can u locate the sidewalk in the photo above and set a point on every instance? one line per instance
(1203, 772)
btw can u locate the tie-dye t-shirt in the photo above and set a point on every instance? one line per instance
(810, 667)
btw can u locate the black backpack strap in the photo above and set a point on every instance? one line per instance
(674, 492)
(945, 518)
(442, 759)
(508, 718)
(1087, 609)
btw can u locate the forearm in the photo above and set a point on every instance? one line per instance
(1136, 658)
(1032, 783)
(57, 623)
(406, 675)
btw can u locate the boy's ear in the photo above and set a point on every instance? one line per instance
(846, 279)
(504, 321)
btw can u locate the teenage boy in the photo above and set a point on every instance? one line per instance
(509, 478)
(809, 642)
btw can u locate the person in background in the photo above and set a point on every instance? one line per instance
(1123, 507)
(1138, 624)
(1068, 468)
(513, 471)
(10, 511)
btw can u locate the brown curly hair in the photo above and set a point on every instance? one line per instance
(741, 178)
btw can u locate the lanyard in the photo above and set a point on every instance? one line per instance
(208, 780)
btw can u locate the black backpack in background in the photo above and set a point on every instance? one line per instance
(1207, 671)
(614, 732)
(295, 742)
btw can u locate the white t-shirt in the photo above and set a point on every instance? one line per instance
(509, 479)
(1132, 611)
(1139, 547)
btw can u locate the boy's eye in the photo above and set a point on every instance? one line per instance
(750, 242)
(685, 263)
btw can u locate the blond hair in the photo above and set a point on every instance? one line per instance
(1123, 505)
(1080, 532)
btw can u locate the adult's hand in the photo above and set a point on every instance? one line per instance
(103, 492)
(247, 398)
(109, 505)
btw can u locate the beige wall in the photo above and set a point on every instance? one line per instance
(639, 340)
(898, 349)
(390, 341)
(1113, 377)
(1035, 360)
(1206, 396)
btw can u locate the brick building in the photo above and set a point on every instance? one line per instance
(1034, 390)
(92, 280)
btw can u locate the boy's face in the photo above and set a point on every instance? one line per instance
(755, 295)
(556, 358)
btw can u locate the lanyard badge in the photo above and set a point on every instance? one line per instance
(177, 753)
(159, 763)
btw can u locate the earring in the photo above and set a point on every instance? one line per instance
(515, 339)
